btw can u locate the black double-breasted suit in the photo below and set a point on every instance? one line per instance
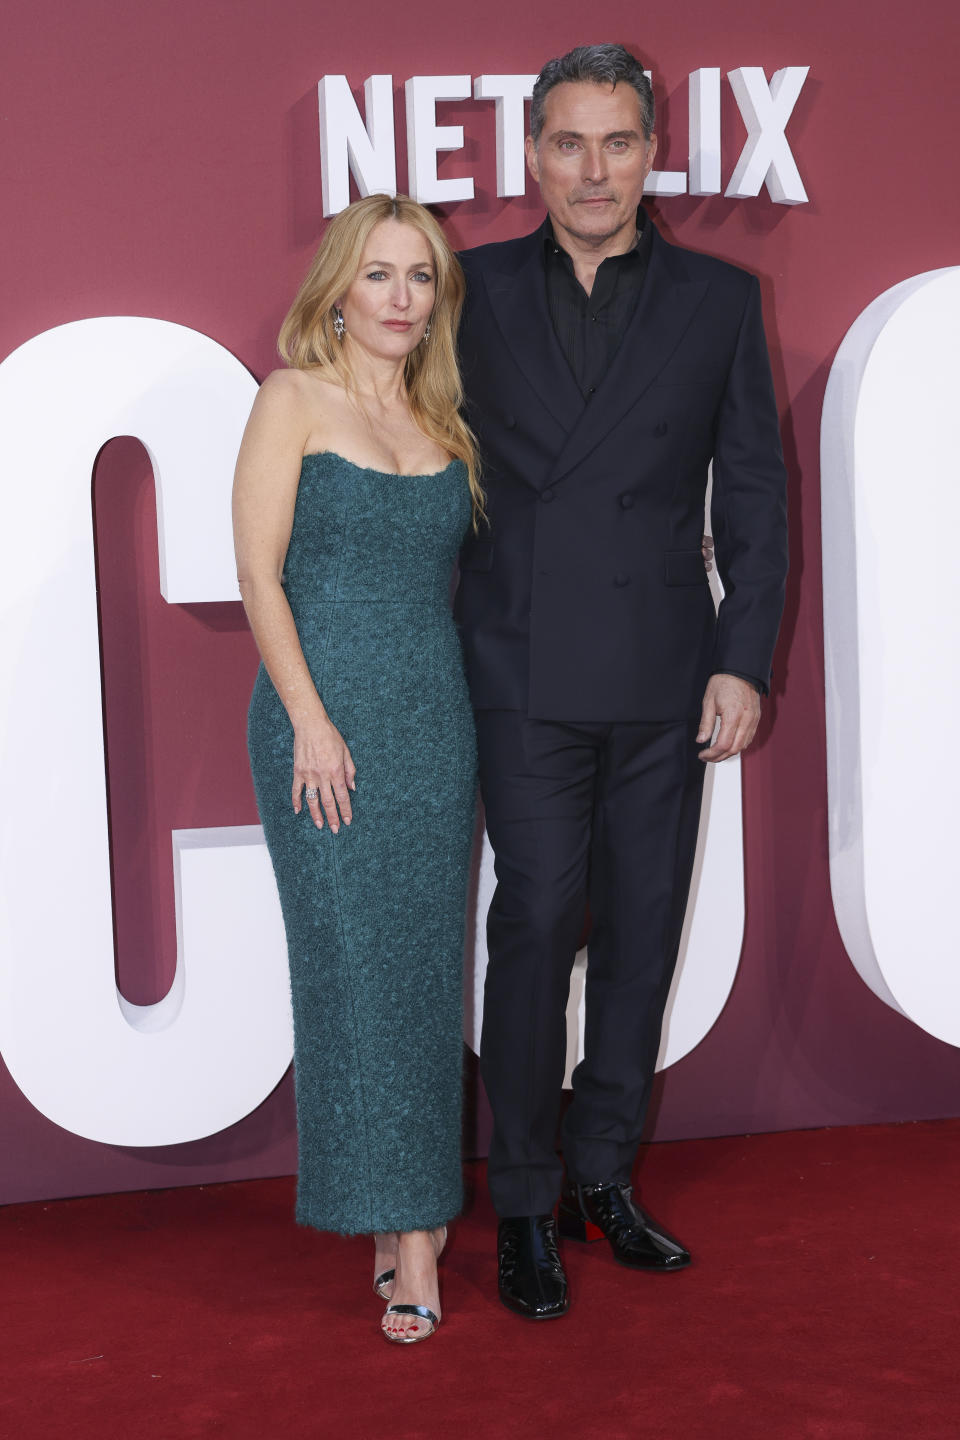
(589, 634)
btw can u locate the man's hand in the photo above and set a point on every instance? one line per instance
(737, 704)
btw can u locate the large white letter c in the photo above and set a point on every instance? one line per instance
(216, 1045)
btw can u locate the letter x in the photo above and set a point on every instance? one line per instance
(766, 155)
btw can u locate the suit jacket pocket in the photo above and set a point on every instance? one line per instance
(684, 567)
(477, 554)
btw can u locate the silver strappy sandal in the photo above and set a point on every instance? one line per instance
(414, 1332)
(382, 1281)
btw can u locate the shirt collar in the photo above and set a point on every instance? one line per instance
(552, 247)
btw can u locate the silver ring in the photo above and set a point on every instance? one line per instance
(310, 793)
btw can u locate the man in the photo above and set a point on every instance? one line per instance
(604, 370)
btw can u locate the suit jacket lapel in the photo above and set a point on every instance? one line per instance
(666, 306)
(519, 303)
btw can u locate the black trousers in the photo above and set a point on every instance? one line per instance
(609, 812)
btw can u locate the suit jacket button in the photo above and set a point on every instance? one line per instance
(546, 496)
(620, 579)
(510, 421)
(661, 428)
(626, 501)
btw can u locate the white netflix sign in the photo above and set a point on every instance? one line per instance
(364, 145)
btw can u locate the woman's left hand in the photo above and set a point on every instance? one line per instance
(323, 772)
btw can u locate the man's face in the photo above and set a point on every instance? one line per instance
(592, 159)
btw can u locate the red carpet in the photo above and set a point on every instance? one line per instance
(823, 1303)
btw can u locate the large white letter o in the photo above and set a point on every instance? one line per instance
(891, 517)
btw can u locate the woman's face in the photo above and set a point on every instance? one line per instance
(387, 307)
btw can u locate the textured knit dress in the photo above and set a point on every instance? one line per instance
(374, 915)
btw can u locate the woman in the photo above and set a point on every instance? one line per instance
(354, 487)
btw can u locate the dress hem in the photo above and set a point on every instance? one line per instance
(381, 1224)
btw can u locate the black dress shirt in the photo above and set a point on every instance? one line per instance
(590, 328)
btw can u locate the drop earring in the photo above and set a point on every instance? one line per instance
(339, 329)
(426, 333)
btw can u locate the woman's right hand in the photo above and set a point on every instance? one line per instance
(323, 763)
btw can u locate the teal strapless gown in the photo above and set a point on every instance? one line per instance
(375, 914)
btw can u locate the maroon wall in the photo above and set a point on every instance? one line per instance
(163, 161)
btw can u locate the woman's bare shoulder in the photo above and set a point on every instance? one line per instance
(285, 385)
(285, 399)
(301, 388)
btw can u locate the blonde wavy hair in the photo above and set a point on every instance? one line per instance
(307, 338)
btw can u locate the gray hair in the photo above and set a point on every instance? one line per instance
(599, 65)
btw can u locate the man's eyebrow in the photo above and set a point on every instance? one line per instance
(613, 135)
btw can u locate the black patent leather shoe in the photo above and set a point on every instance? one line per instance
(531, 1277)
(596, 1212)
